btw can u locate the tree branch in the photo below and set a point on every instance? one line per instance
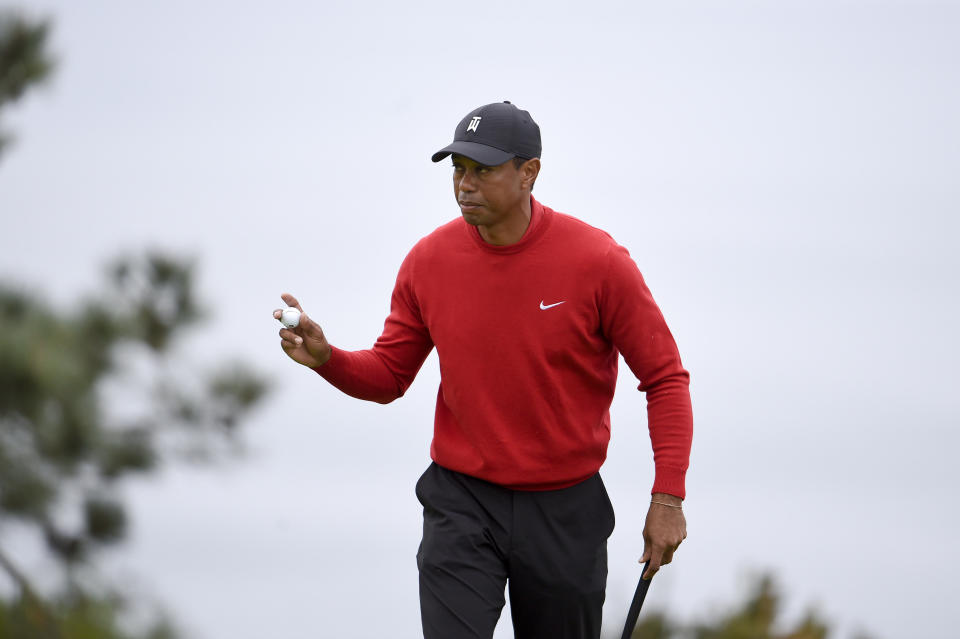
(30, 595)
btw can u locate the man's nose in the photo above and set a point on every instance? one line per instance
(466, 182)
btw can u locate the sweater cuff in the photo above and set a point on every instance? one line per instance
(670, 481)
(332, 365)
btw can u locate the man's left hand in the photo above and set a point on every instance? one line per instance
(665, 529)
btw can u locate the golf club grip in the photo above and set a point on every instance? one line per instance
(637, 603)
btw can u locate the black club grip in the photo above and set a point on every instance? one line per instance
(637, 603)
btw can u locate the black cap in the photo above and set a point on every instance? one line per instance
(494, 133)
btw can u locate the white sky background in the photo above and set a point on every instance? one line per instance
(784, 173)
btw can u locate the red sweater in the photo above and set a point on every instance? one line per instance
(528, 337)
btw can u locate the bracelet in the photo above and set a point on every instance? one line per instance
(663, 503)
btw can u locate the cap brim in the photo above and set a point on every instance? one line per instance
(486, 155)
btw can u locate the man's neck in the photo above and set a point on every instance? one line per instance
(509, 231)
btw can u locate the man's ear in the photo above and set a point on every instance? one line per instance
(529, 171)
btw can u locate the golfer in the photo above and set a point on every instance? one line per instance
(529, 310)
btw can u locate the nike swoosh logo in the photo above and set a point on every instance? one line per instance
(544, 307)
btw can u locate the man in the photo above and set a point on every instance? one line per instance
(528, 310)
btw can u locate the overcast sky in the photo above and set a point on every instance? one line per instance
(785, 174)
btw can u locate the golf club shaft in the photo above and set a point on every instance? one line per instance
(637, 603)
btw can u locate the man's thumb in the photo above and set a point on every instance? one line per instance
(310, 327)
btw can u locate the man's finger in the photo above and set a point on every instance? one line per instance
(290, 300)
(655, 560)
(667, 557)
(288, 335)
(307, 323)
(651, 570)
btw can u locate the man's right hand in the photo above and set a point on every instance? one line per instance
(306, 343)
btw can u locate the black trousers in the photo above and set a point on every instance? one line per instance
(550, 545)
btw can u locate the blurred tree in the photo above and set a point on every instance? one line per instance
(77, 617)
(755, 618)
(655, 625)
(24, 62)
(64, 447)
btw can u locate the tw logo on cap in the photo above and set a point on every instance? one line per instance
(474, 123)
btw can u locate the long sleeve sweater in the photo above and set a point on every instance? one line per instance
(528, 337)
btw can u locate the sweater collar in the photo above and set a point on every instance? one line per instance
(539, 220)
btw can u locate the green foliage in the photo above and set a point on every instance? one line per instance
(24, 61)
(105, 519)
(74, 616)
(654, 625)
(755, 618)
(63, 451)
(56, 439)
(158, 296)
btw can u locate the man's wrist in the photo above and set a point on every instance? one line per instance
(326, 359)
(329, 356)
(665, 499)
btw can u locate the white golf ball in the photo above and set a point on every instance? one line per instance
(290, 317)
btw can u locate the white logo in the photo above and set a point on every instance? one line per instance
(544, 307)
(474, 123)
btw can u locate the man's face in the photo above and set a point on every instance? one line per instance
(487, 195)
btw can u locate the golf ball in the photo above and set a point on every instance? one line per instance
(290, 317)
